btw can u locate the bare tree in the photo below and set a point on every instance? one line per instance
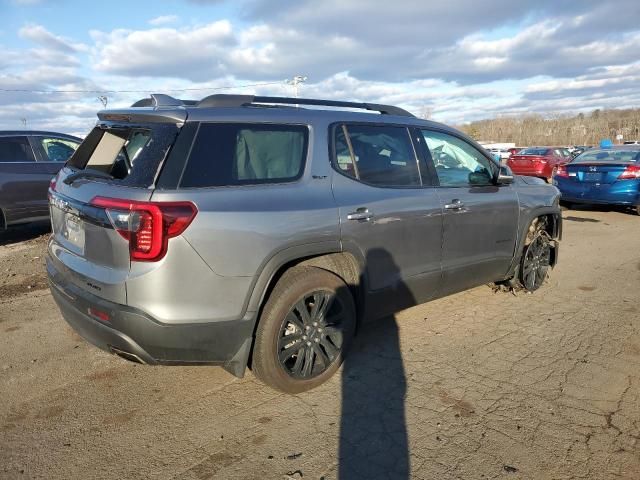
(558, 129)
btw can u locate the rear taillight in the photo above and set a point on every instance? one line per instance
(632, 172)
(147, 226)
(561, 171)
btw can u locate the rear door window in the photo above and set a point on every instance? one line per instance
(378, 155)
(226, 154)
(15, 149)
(57, 149)
(132, 155)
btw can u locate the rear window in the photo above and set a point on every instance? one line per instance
(15, 149)
(226, 154)
(132, 155)
(608, 156)
(533, 151)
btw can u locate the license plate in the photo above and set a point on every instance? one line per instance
(74, 232)
(592, 177)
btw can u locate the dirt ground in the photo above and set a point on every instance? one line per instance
(477, 385)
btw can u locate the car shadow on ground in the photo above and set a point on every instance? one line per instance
(373, 431)
(25, 232)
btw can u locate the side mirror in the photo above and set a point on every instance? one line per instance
(480, 178)
(505, 176)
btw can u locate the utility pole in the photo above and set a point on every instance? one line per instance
(24, 123)
(104, 100)
(295, 82)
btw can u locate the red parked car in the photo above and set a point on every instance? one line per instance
(540, 162)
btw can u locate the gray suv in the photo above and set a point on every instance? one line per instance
(28, 162)
(252, 231)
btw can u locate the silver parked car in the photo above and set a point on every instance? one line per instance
(241, 231)
(28, 162)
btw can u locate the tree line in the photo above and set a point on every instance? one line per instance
(556, 129)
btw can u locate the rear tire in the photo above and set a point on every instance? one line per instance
(305, 330)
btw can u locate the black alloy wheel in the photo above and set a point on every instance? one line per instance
(536, 262)
(311, 335)
(304, 331)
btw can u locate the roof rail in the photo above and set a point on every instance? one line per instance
(225, 100)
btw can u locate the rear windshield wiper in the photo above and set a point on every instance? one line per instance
(86, 174)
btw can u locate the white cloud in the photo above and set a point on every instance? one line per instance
(164, 20)
(40, 35)
(462, 60)
(188, 53)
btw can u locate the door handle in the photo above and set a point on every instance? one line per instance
(454, 205)
(362, 214)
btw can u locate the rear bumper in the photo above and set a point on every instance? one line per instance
(605, 194)
(539, 170)
(135, 335)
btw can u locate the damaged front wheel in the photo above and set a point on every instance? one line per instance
(536, 261)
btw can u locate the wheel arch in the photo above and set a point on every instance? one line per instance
(344, 264)
(553, 226)
(347, 265)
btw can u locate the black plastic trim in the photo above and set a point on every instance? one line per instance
(176, 161)
(131, 330)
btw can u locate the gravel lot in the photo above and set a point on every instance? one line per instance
(476, 385)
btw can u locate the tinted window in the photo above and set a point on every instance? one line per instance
(15, 149)
(608, 156)
(457, 163)
(533, 151)
(58, 149)
(240, 154)
(378, 155)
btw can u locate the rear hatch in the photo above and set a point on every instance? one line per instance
(91, 203)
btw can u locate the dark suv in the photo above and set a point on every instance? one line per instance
(243, 230)
(28, 162)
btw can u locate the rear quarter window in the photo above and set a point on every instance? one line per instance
(227, 154)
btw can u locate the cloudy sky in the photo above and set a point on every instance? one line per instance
(458, 60)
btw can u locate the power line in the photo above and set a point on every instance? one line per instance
(23, 90)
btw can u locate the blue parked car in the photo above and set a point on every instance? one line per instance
(602, 176)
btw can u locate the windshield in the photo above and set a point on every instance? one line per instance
(131, 156)
(533, 151)
(608, 156)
